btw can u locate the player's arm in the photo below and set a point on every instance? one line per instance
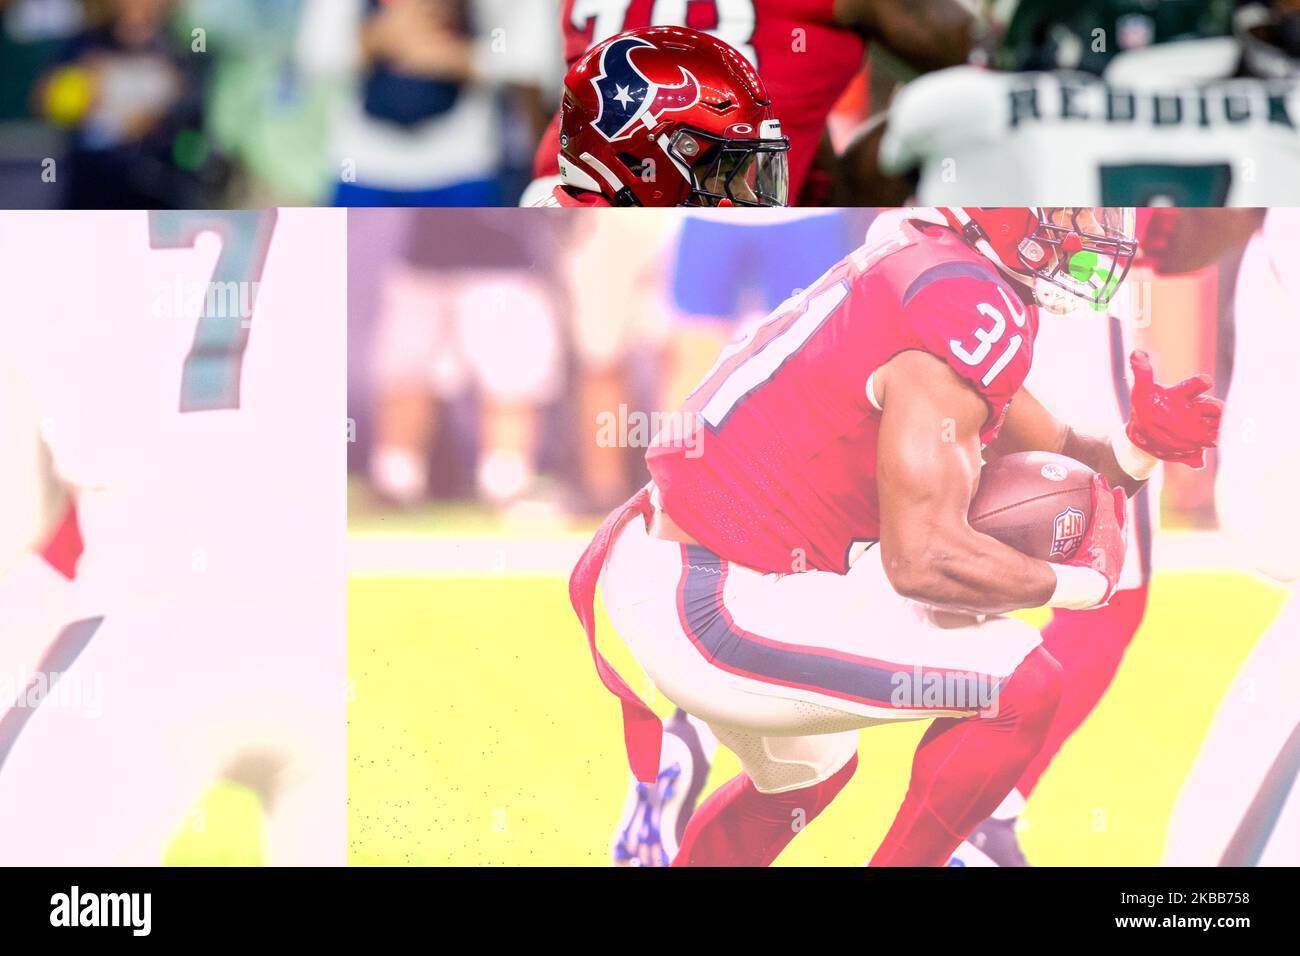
(913, 38)
(924, 34)
(859, 179)
(1176, 241)
(1029, 426)
(820, 178)
(927, 470)
(1175, 423)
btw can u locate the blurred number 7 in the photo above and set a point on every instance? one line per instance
(211, 374)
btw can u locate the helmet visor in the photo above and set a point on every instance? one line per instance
(743, 172)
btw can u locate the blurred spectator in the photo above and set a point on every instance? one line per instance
(133, 96)
(262, 113)
(423, 122)
(616, 266)
(469, 307)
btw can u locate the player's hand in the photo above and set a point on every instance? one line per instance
(1105, 542)
(1173, 422)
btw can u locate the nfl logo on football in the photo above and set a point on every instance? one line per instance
(1067, 532)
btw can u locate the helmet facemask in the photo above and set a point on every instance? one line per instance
(733, 170)
(1078, 253)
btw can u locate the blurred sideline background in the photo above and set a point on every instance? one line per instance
(482, 352)
(286, 102)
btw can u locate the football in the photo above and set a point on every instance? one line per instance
(1036, 502)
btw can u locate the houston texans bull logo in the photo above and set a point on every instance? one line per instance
(628, 96)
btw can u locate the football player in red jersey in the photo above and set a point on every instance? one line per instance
(668, 116)
(804, 538)
(807, 51)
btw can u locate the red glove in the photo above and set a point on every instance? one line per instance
(1174, 422)
(1105, 542)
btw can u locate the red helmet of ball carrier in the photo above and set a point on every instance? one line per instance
(668, 116)
(1085, 251)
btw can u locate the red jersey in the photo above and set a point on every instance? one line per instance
(773, 463)
(804, 58)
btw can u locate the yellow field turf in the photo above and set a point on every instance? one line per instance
(480, 734)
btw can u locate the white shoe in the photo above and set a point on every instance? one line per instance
(655, 815)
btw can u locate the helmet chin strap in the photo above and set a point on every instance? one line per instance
(1054, 299)
(1047, 296)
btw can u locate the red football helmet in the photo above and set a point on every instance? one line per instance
(1086, 251)
(668, 116)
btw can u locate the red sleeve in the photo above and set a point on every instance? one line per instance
(966, 315)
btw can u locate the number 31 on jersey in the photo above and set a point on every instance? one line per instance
(986, 338)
